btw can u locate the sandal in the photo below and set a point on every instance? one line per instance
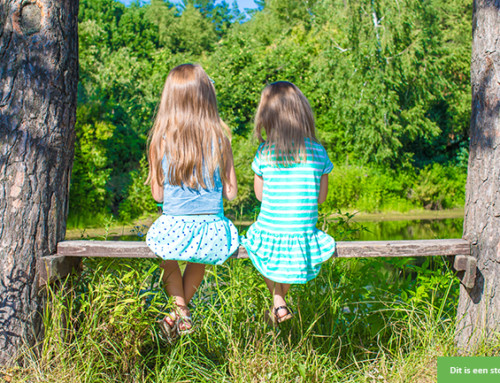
(275, 319)
(184, 322)
(170, 333)
(185, 325)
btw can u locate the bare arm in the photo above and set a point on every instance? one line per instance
(230, 188)
(258, 184)
(156, 191)
(323, 189)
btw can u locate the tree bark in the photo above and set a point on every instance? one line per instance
(39, 76)
(478, 317)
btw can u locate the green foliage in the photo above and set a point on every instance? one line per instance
(245, 204)
(139, 201)
(439, 187)
(91, 170)
(367, 189)
(374, 189)
(193, 33)
(388, 82)
(102, 324)
(162, 14)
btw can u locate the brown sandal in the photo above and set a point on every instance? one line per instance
(170, 333)
(275, 319)
(185, 325)
(184, 322)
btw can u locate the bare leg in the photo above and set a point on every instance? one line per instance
(172, 281)
(181, 287)
(284, 288)
(193, 275)
(278, 292)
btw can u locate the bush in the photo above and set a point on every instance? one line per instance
(439, 187)
(139, 199)
(374, 190)
(367, 189)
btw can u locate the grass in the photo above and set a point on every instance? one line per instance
(353, 324)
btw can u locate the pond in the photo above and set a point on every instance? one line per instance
(411, 229)
(375, 230)
(361, 226)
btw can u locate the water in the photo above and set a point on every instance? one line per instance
(368, 231)
(408, 230)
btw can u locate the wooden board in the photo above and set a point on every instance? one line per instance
(69, 254)
(356, 249)
(415, 248)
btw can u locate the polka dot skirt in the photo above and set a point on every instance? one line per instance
(209, 239)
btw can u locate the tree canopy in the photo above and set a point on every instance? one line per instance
(388, 82)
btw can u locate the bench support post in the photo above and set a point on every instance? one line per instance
(466, 265)
(55, 267)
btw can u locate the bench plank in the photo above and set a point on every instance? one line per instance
(355, 249)
(69, 254)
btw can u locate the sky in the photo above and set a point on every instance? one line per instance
(242, 4)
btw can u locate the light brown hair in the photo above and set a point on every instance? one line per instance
(287, 118)
(188, 130)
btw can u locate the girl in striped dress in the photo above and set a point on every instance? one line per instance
(291, 179)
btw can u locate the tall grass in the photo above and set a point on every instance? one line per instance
(359, 321)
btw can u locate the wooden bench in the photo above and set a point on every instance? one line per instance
(69, 254)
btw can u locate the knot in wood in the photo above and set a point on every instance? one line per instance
(30, 20)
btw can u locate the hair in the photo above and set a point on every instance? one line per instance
(287, 118)
(188, 130)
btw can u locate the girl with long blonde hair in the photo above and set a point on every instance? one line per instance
(190, 170)
(291, 179)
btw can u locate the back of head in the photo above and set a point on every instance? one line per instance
(187, 129)
(287, 118)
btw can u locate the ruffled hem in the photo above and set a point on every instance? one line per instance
(209, 239)
(293, 258)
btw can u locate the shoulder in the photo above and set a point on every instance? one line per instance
(316, 147)
(258, 160)
(260, 150)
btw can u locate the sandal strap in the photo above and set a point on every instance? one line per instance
(276, 309)
(180, 309)
(187, 324)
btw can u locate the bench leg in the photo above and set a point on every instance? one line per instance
(467, 265)
(54, 267)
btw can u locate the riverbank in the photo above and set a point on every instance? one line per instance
(139, 228)
(408, 216)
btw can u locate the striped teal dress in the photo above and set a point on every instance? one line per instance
(284, 243)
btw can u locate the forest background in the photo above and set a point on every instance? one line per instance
(388, 82)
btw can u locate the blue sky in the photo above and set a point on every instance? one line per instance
(242, 4)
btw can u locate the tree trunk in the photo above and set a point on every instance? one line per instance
(479, 308)
(39, 75)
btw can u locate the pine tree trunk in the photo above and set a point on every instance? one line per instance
(479, 308)
(39, 75)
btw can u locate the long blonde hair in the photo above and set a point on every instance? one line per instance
(188, 130)
(287, 118)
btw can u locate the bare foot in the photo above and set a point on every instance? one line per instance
(184, 324)
(282, 313)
